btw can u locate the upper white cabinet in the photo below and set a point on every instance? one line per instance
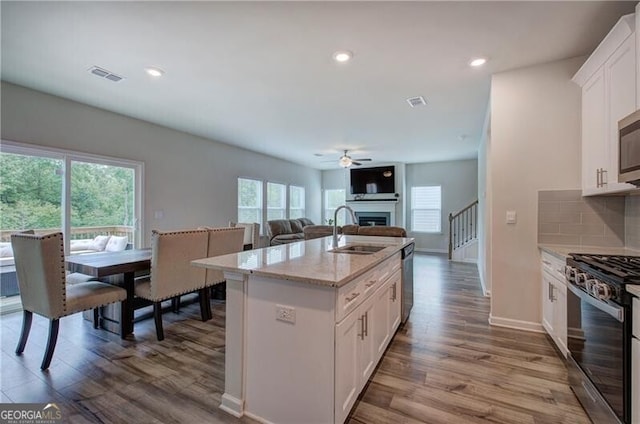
(609, 86)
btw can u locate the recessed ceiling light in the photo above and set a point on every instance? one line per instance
(342, 56)
(153, 71)
(478, 62)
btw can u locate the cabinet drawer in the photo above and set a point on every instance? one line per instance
(635, 311)
(354, 293)
(553, 265)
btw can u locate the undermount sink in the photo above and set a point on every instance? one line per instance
(358, 249)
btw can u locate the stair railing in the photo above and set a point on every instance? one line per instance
(463, 226)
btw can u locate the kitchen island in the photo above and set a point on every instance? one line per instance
(306, 324)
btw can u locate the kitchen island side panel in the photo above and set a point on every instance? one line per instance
(290, 366)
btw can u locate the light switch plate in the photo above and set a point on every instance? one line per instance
(511, 217)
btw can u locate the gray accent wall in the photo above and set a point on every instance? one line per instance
(191, 179)
(459, 182)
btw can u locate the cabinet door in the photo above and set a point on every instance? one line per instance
(560, 316)
(594, 133)
(620, 75)
(379, 326)
(367, 350)
(395, 303)
(547, 304)
(349, 337)
(635, 380)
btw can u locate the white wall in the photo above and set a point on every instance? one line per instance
(459, 181)
(191, 179)
(535, 145)
(484, 205)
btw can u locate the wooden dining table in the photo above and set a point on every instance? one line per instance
(106, 264)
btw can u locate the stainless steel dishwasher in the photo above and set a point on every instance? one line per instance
(407, 281)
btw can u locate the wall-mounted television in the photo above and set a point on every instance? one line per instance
(380, 179)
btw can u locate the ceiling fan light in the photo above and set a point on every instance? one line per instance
(345, 161)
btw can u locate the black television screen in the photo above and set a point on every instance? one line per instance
(379, 179)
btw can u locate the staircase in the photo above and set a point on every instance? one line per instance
(463, 234)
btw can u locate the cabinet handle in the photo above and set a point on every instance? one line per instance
(370, 283)
(361, 335)
(394, 292)
(549, 292)
(598, 178)
(546, 262)
(353, 296)
(366, 324)
(604, 172)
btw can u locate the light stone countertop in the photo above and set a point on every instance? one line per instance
(562, 251)
(634, 289)
(309, 261)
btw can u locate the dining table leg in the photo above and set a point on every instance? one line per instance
(126, 327)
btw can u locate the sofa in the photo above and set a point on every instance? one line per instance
(376, 230)
(97, 244)
(282, 231)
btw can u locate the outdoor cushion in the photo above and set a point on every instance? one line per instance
(100, 242)
(116, 244)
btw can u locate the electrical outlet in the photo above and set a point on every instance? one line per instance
(286, 314)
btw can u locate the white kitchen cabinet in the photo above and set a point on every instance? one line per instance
(361, 338)
(395, 302)
(380, 323)
(638, 55)
(608, 81)
(554, 301)
(348, 354)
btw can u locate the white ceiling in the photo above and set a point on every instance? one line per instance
(260, 74)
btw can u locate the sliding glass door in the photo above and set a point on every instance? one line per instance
(95, 201)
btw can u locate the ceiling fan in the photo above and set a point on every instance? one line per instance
(345, 160)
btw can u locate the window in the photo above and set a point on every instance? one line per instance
(426, 215)
(83, 196)
(332, 199)
(296, 202)
(249, 200)
(276, 201)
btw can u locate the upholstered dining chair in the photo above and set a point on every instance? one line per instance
(40, 268)
(172, 273)
(223, 241)
(251, 234)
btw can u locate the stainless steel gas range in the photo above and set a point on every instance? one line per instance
(599, 333)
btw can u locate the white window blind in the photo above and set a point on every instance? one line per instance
(249, 200)
(332, 199)
(296, 202)
(426, 209)
(276, 201)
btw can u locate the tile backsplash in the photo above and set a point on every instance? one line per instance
(565, 217)
(632, 222)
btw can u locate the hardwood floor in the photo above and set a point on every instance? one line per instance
(447, 365)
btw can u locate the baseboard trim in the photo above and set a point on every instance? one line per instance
(232, 405)
(423, 250)
(257, 418)
(515, 324)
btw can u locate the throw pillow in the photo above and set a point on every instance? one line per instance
(100, 242)
(116, 244)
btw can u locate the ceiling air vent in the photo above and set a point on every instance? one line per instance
(416, 101)
(103, 73)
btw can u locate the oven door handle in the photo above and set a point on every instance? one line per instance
(616, 312)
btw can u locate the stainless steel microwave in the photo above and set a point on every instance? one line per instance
(629, 148)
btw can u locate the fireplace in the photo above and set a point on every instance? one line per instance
(373, 218)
